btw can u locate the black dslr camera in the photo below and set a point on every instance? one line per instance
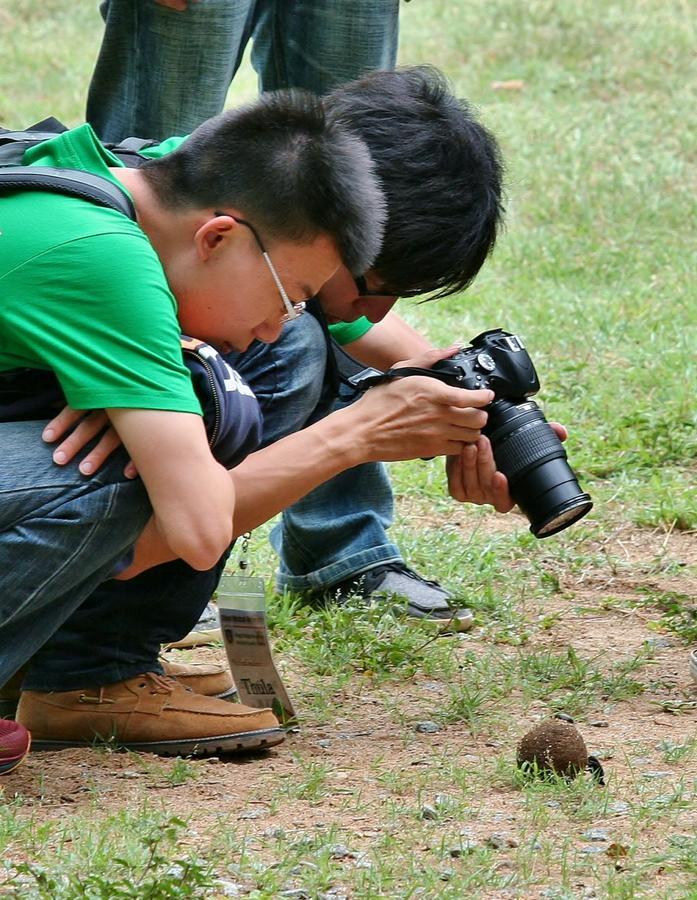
(526, 448)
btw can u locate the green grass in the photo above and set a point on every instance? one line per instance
(596, 270)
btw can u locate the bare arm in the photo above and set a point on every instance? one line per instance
(191, 494)
(388, 342)
(407, 419)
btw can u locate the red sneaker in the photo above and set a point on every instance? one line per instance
(15, 741)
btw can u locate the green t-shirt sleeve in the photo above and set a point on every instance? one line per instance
(162, 149)
(99, 313)
(346, 332)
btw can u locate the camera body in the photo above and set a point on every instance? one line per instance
(526, 448)
(496, 360)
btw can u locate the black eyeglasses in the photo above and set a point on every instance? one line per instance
(363, 291)
(293, 309)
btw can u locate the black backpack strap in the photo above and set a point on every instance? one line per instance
(71, 182)
(133, 144)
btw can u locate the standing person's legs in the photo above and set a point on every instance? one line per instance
(335, 539)
(161, 72)
(318, 44)
(339, 529)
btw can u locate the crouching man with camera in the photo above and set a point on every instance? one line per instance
(227, 252)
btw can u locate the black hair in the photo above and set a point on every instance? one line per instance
(292, 172)
(441, 171)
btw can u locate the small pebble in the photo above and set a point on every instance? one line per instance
(464, 848)
(618, 808)
(427, 727)
(661, 643)
(252, 814)
(656, 774)
(341, 851)
(591, 850)
(324, 744)
(599, 723)
(596, 834)
(446, 874)
(428, 812)
(498, 840)
(228, 888)
(213, 760)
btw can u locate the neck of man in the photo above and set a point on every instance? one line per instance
(167, 230)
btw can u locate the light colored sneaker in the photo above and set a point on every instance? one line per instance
(425, 599)
(205, 631)
(208, 679)
(149, 713)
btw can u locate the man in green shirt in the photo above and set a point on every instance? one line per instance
(250, 216)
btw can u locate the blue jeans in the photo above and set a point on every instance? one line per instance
(61, 535)
(162, 72)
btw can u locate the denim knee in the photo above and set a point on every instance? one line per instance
(288, 377)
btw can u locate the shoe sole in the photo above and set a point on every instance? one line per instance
(232, 695)
(447, 625)
(211, 746)
(197, 639)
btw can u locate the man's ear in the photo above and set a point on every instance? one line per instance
(212, 235)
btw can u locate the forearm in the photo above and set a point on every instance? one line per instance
(387, 343)
(405, 419)
(190, 493)
(274, 478)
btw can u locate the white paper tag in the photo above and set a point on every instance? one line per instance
(242, 607)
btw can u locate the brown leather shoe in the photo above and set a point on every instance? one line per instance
(151, 713)
(208, 679)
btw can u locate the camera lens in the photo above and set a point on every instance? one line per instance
(531, 456)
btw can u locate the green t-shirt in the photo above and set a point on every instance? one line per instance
(83, 293)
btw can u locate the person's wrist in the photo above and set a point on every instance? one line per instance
(344, 435)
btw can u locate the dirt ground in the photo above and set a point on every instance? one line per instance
(366, 739)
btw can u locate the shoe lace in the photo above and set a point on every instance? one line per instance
(159, 684)
(405, 570)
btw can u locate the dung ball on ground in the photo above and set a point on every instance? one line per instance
(553, 746)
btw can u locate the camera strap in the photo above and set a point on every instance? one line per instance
(369, 378)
